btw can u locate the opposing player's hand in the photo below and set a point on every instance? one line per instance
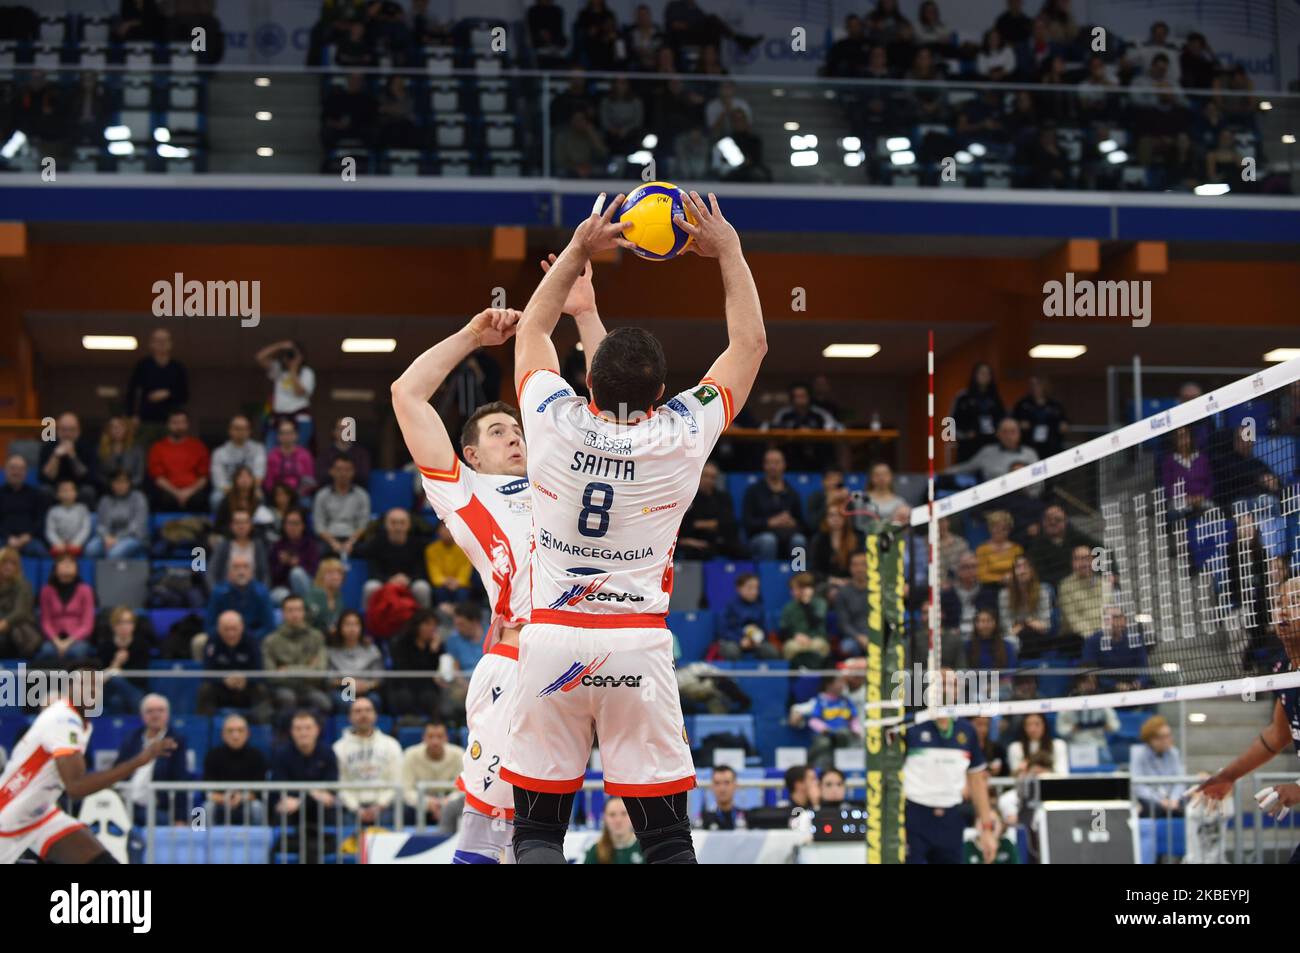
(159, 748)
(713, 234)
(582, 296)
(494, 326)
(598, 232)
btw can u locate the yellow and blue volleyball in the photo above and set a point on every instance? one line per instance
(652, 210)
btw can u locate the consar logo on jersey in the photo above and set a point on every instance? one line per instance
(513, 487)
(576, 593)
(556, 396)
(598, 441)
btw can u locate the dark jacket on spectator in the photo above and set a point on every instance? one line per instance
(385, 560)
(723, 540)
(85, 453)
(149, 376)
(760, 504)
(22, 511)
(224, 763)
(306, 549)
(290, 764)
(252, 602)
(1054, 560)
(738, 615)
(166, 768)
(243, 656)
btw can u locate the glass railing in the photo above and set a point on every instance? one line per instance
(445, 120)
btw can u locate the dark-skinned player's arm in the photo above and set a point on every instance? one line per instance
(581, 303)
(426, 436)
(534, 349)
(737, 367)
(1271, 741)
(78, 784)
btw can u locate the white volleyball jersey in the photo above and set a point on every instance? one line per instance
(489, 705)
(490, 518)
(30, 785)
(608, 499)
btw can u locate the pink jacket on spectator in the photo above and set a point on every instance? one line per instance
(297, 469)
(76, 619)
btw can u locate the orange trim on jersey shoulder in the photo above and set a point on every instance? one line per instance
(31, 827)
(527, 377)
(590, 620)
(483, 807)
(64, 752)
(595, 412)
(45, 849)
(650, 790)
(728, 402)
(539, 784)
(448, 476)
(508, 651)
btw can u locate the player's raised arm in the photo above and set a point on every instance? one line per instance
(581, 303)
(426, 437)
(533, 346)
(737, 367)
(78, 784)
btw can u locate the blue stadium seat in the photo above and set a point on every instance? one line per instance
(183, 693)
(109, 733)
(1279, 453)
(774, 583)
(197, 732)
(354, 582)
(720, 580)
(737, 484)
(239, 845)
(699, 727)
(36, 570)
(164, 619)
(390, 489)
(694, 631)
(1130, 722)
(1161, 836)
(855, 482)
(410, 735)
(805, 484)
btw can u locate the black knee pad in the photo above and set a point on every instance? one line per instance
(662, 827)
(103, 857)
(541, 821)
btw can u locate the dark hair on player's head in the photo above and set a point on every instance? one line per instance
(795, 775)
(628, 371)
(469, 434)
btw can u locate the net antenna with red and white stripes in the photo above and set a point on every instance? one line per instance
(932, 535)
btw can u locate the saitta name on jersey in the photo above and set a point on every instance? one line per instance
(595, 465)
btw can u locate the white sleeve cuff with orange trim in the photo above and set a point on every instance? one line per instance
(448, 476)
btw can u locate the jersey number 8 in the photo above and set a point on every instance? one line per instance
(599, 510)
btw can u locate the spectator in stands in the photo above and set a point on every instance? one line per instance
(833, 720)
(994, 753)
(70, 456)
(139, 21)
(952, 547)
(285, 363)
(303, 761)
(231, 761)
(996, 459)
(239, 451)
(233, 650)
(802, 628)
(242, 593)
(1042, 419)
(996, 59)
(1014, 25)
(1034, 736)
(833, 547)
(688, 25)
(90, 109)
(170, 807)
(394, 555)
(1159, 109)
(159, 386)
(1087, 727)
(849, 56)
(803, 787)
(618, 843)
(364, 753)
(835, 789)
(853, 608)
(67, 522)
(293, 559)
(750, 147)
(1197, 64)
(622, 118)
(123, 521)
(417, 649)
(178, 468)
(465, 644)
(1157, 756)
(397, 118)
(592, 29)
(244, 494)
(1061, 25)
(1097, 100)
(720, 110)
(1239, 109)
(325, 597)
(349, 114)
(289, 463)
(1051, 550)
(724, 816)
(987, 648)
(344, 444)
(241, 544)
(831, 493)
(709, 527)
(546, 33)
(67, 615)
(930, 30)
(1025, 608)
(19, 635)
(961, 599)
(1125, 654)
(295, 645)
(1048, 166)
(1223, 162)
(802, 414)
(742, 626)
(341, 510)
(434, 759)
(125, 648)
(1079, 599)
(772, 512)
(881, 497)
(675, 108)
(1242, 475)
(119, 450)
(996, 556)
(580, 152)
(22, 511)
(1139, 58)
(350, 653)
(353, 49)
(644, 39)
(692, 154)
(976, 412)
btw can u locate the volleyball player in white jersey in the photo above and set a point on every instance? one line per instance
(611, 480)
(50, 761)
(487, 505)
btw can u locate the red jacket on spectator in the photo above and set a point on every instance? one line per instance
(75, 618)
(181, 462)
(390, 607)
